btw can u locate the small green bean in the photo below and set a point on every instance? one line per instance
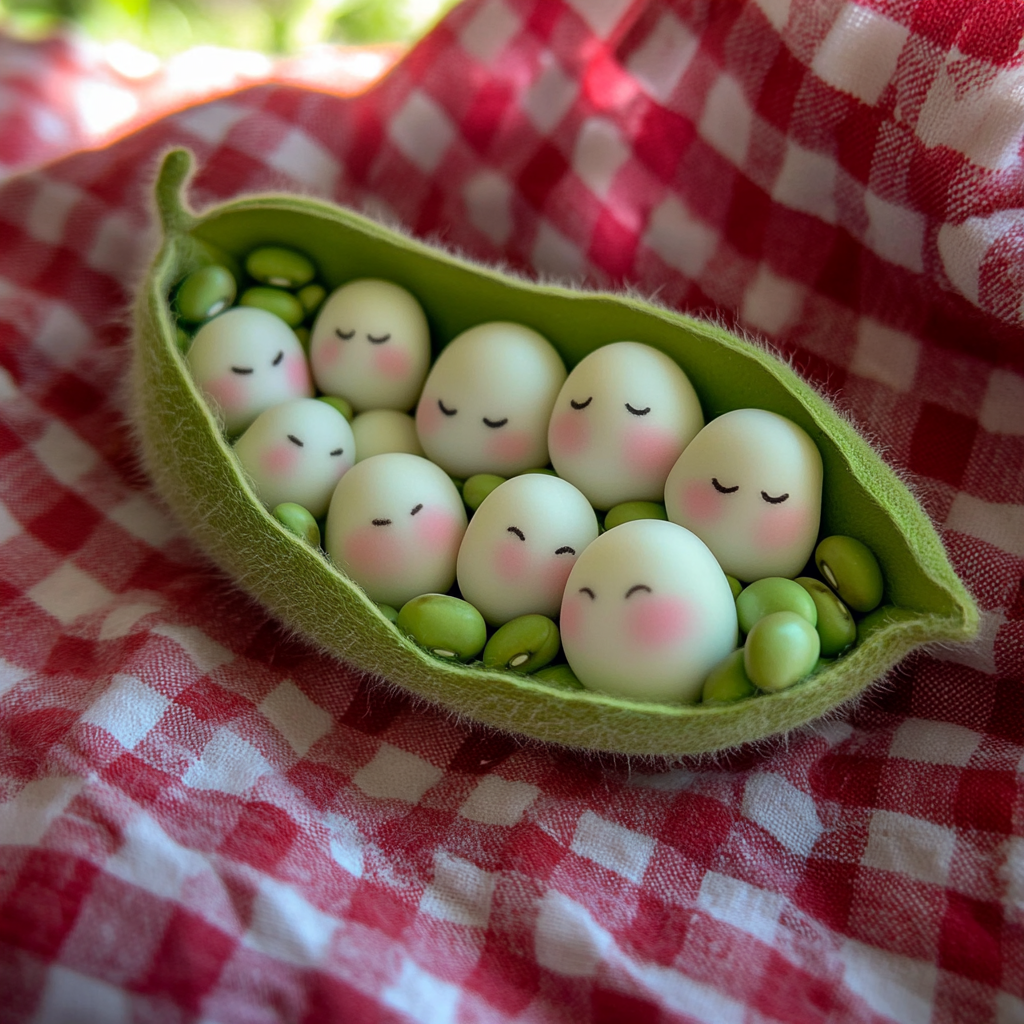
(447, 626)
(205, 293)
(851, 570)
(343, 405)
(728, 681)
(773, 594)
(274, 300)
(477, 487)
(735, 586)
(298, 520)
(560, 676)
(311, 298)
(182, 337)
(280, 267)
(835, 626)
(390, 613)
(302, 333)
(524, 644)
(781, 649)
(627, 511)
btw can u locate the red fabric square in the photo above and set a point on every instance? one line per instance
(506, 980)
(942, 444)
(378, 906)
(67, 525)
(542, 172)
(826, 892)
(851, 779)
(698, 827)
(72, 655)
(970, 942)
(662, 139)
(987, 800)
(332, 999)
(262, 837)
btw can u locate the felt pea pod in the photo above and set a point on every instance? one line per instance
(194, 470)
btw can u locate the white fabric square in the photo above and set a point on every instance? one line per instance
(461, 892)
(676, 991)
(121, 620)
(860, 52)
(395, 774)
(975, 110)
(211, 122)
(909, 846)
(999, 525)
(228, 764)
(116, 246)
(128, 709)
(894, 986)
(1012, 872)
(753, 910)
(8, 386)
(550, 97)
(63, 336)
(1002, 409)
(9, 526)
(25, 818)
(207, 654)
(771, 302)
(807, 182)
(10, 676)
(661, 59)
(980, 653)
(102, 107)
(422, 131)
(934, 742)
(963, 247)
(70, 996)
(497, 801)
(48, 212)
(1009, 1009)
(599, 153)
(553, 253)
(619, 849)
(296, 717)
(489, 31)
(306, 161)
(346, 844)
(567, 939)
(423, 997)
(783, 810)
(680, 238)
(64, 454)
(488, 199)
(287, 927)
(776, 11)
(727, 120)
(601, 15)
(885, 355)
(895, 233)
(141, 518)
(68, 592)
(149, 858)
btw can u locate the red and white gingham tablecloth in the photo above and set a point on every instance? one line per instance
(203, 820)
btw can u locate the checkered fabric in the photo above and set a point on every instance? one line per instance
(202, 819)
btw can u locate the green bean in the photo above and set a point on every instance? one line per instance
(298, 520)
(851, 570)
(447, 626)
(276, 301)
(477, 487)
(627, 511)
(735, 586)
(560, 676)
(773, 594)
(205, 293)
(524, 644)
(183, 338)
(781, 649)
(311, 297)
(389, 613)
(302, 333)
(835, 626)
(728, 681)
(343, 405)
(280, 267)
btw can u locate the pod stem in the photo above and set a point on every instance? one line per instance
(175, 216)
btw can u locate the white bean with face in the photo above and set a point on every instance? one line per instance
(394, 526)
(486, 402)
(521, 545)
(297, 451)
(749, 485)
(246, 360)
(647, 613)
(371, 345)
(620, 421)
(379, 431)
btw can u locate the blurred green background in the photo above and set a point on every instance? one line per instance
(165, 27)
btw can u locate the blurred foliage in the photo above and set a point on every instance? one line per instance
(272, 26)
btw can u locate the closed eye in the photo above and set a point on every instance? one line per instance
(587, 590)
(278, 358)
(377, 341)
(416, 509)
(724, 490)
(338, 451)
(638, 412)
(382, 522)
(639, 586)
(566, 550)
(519, 533)
(774, 501)
(345, 335)
(495, 423)
(295, 440)
(580, 405)
(446, 411)
(241, 369)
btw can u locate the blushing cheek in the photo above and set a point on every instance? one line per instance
(570, 433)
(570, 621)
(374, 551)
(437, 530)
(658, 621)
(510, 445)
(556, 572)
(297, 371)
(428, 417)
(228, 392)
(650, 449)
(329, 353)
(280, 459)
(779, 528)
(701, 502)
(391, 362)
(511, 560)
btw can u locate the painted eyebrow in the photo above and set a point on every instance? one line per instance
(377, 341)
(638, 412)
(382, 522)
(345, 335)
(637, 586)
(278, 358)
(587, 590)
(495, 423)
(774, 501)
(566, 550)
(519, 533)
(724, 490)
(446, 411)
(295, 440)
(580, 405)
(241, 369)
(416, 509)
(338, 451)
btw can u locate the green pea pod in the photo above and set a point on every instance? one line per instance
(773, 594)
(850, 568)
(280, 267)
(446, 626)
(299, 521)
(195, 472)
(627, 511)
(523, 644)
(276, 301)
